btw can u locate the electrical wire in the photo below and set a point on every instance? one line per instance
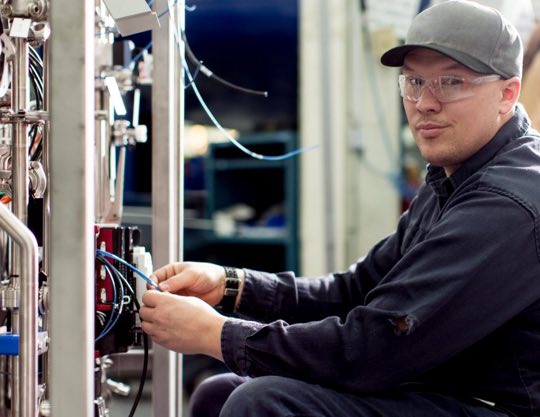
(101, 317)
(233, 140)
(206, 71)
(137, 57)
(215, 121)
(144, 371)
(168, 9)
(111, 323)
(36, 74)
(36, 144)
(193, 85)
(37, 86)
(115, 315)
(36, 79)
(197, 71)
(106, 254)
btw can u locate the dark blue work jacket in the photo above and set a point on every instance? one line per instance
(450, 302)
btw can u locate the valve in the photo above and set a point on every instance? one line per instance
(38, 179)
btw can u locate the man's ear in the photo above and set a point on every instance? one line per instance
(510, 94)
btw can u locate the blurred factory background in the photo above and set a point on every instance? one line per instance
(261, 134)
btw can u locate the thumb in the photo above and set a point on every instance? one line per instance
(175, 284)
(151, 298)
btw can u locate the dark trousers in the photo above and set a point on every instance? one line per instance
(228, 395)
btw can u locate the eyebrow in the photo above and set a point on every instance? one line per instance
(450, 67)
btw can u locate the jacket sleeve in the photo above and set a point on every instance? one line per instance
(448, 291)
(267, 297)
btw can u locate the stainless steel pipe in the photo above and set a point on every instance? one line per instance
(28, 312)
(20, 183)
(20, 131)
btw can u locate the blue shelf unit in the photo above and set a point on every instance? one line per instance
(268, 241)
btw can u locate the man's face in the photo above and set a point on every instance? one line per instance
(448, 133)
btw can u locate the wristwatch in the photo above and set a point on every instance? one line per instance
(232, 286)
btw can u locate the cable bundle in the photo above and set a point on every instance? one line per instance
(120, 284)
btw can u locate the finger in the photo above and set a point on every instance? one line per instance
(177, 283)
(145, 313)
(154, 279)
(148, 328)
(167, 271)
(150, 298)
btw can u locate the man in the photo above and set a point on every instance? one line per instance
(441, 318)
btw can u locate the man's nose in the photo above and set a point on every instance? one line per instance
(427, 101)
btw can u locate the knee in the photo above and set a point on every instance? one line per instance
(260, 396)
(209, 396)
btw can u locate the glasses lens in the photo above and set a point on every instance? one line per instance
(445, 88)
(452, 88)
(411, 87)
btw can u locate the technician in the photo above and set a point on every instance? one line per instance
(442, 317)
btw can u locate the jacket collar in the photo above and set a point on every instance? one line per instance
(444, 186)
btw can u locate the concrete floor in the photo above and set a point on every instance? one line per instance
(126, 369)
(121, 406)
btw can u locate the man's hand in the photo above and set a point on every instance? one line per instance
(183, 324)
(203, 280)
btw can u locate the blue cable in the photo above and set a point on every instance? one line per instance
(233, 140)
(169, 9)
(134, 60)
(115, 315)
(133, 268)
(207, 110)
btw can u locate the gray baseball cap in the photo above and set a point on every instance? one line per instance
(474, 35)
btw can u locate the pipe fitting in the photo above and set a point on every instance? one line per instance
(6, 10)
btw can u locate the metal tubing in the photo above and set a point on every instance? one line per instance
(19, 155)
(3, 386)
(28, 250)
(45, 161)
(103, 155)
(46, 208)
(20, 135)
(20, 7)
(167, 180)
(14, 364)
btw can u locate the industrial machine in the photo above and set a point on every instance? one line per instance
(34, 245)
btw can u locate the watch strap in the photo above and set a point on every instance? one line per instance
(232, 286)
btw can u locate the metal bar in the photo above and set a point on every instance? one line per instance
(71, 351)
(167, 119)
(28, 267)
(46, 205)
(328, 149)
(19, 155)
(102, 165)
(3, 386)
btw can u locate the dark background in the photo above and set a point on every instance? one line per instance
(251, 43)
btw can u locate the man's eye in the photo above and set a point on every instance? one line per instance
(451, 81)
(416, 81)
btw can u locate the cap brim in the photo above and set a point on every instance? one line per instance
(395, 57)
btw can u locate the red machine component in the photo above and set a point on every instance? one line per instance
(116, 328)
